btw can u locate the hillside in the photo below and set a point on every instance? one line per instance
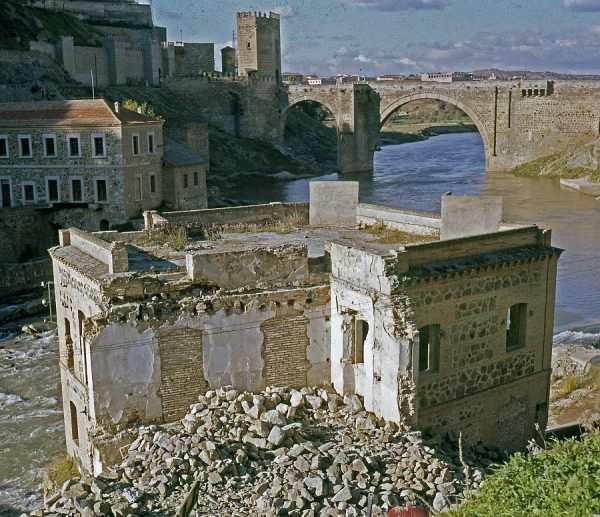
(581, 161)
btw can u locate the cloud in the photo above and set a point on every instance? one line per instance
(285, 11)
(570, 50)
(397, 5)
(583, 5)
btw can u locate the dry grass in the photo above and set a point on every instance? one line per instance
(174, 235)
(387, 235)
(289, 223)
(61, 469)
(567, 385)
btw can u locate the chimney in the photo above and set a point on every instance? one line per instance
(116, 107)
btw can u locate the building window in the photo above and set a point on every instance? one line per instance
(74, 423)
(360, 331)
(516, 326)
(76, 190)
(196, 178)
(152, 183)
(49, 146)
(3, 146)
(6, 193)
(52, 190)
(101, 190)
(429, 348)
(185, 181)
(98, 146)
(137, 188)
(25, 150)
(28, 192)
(150, 143)
(73, 146)
(135, 144)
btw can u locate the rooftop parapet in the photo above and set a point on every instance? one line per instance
(113, 254)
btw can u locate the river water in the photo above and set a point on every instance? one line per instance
(415, 175)
(410, 176)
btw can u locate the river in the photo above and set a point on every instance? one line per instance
(415, 175)
(410, 176)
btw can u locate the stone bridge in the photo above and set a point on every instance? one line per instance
(519, 121)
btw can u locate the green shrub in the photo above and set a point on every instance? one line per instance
(561, 481)
(61, 469)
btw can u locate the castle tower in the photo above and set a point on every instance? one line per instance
(259, 47)
(228, 60)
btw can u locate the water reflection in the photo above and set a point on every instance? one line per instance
(415, 175)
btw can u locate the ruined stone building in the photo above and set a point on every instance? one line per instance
(95, 155)
(444, 321)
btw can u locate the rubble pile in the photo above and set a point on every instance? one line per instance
(301, 452)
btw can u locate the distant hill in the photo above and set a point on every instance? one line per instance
(506, 75)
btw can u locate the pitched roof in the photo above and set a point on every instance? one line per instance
(77, 113)
(178, 155)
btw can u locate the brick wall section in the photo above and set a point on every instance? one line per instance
(284, 351)
(181, 369)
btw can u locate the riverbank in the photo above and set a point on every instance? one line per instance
(396, 134)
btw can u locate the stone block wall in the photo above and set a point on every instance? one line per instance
(22, 278)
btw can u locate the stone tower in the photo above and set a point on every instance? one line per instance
(259, 47)
(228, 60)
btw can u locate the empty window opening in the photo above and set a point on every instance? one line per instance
(516, 326)
(80, 321)
(69, 344)
(101, 191)
(196, 178)
(429, 348)
(49, 146)
(25, 146)
(104, 225)
(74, 149)
(152, 183)
(185, 181)
(76, 191)
(360, 331)
(74, 423)
(3, 147)
(99, 146)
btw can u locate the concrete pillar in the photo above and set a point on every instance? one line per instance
(358, 128)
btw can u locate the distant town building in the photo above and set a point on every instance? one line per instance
(446, 77)
(313, 80)
(390, 77)
(292, 78)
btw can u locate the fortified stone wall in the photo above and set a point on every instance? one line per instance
(191, 59)
(97, 12)
(246, 107)
(22, 278)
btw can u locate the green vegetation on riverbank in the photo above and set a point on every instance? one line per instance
(582, 160)
(562, 480)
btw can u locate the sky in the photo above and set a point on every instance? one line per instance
(374, 37)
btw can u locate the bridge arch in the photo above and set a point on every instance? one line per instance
(396, 104)
(294, 100)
